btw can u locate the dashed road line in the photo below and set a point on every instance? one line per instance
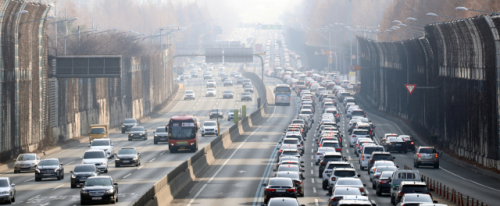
(152, 160)
(127, 175)
(58, 187)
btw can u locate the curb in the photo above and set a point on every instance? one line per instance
(406, 127)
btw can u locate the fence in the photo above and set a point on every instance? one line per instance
(146, 84)
(455, 68)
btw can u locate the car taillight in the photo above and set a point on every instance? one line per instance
(412, 142)
(337, 115)
(436, 155)
(280, 151)
(338, 149)
(333, 178)
(377, 176)
(340, 139)
(289, 98)
(318, 153)
(275, 98)
(361, 189)
(336, 199)
(401, 193)
(383, 181)
(270, 190)
(363, 157)
(323, 163)
(353, 135)
(290, 190)
(418, 154)
(373, 168)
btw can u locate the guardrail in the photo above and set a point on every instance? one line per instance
(165, 189)
(448, 194)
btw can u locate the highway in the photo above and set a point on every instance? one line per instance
(157, 161)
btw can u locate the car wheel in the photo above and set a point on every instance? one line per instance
(37, 179)
(329, 190)
(82, 202)
(417, 165)
(117, 165)
(106, 171)
(155, 142)
(379, 192)
(73, 186)
(129, 139)
(320, 175)
(436, 166)
(374, 186)
(202, 134)
(123, 131)
(15, 171)
(392, 200)
(361, 167)
(59, 177)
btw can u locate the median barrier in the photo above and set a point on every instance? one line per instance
(164, 190)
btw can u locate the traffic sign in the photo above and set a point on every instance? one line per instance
(358, 68)
(410, 88)
(353, 67)
(353, 57)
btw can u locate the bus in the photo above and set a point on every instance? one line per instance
(282, 95)
(183, 133)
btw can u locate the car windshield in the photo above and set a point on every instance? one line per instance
(386, 174)
(93, 155)
(342, 192)
(282, 89)
(382, 157)
(414, 189)
(189, 92)
(305, 112)
(289, 168)
(330, 144)
(349, 182)
(388, 168)
(419, 198)
(98, 182)
(137, 129)
(210, 90)
(370, 150)
(245, 93)
(129, 121)
(48, 163)
(332, 158)
(427, 150)
(24, 157)
(383, 163)
(290, 153)
(331, 166)
(357, 113)
(127, 151)
(161, 130)
(97, 131)
(85, 168)
(100, 143)
(228, 92)
(360, 132)
(280, 182)
(4, 183)
(290, 141)
(293, 175)
(209, 124)
(345, 173)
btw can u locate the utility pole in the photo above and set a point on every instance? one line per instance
(350, 30)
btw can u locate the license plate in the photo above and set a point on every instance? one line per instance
(398, 144)
(25, 167)
(427, 157)
(126, 161)
(280, 190)
(83, 178)
(183, 148)
(163, 138)
(96, 198)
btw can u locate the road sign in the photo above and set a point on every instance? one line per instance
(353, 67)
(353, 57)
(358, 68)
(410, 88)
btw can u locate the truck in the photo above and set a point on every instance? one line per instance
(98, 131)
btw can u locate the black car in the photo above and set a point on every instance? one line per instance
(216, 113)
(49, 168)
(128, 124)
(410, 142)
(128, 156)
(100, 189)
(384, 183)
(329, 158)
(394, 144)
(82, 172)
(297, 181)
(161, 135)
(279, 187)
(138, 132)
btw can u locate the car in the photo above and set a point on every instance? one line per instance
(358, 133)
(239, 80)
(283, 201)
(49, 168)
(279, 187)
(328, 157)
(26, 162)
(321, 151)
(359, 145)
(402, 175)
(338, 173)
(230, 114)
(128, 156)
(207, 76)
(246, 82)
(189, 94)
(293, 141)
(104, 144)
(211, 92)
(297, 180)
(394, 144)
(379, 156)
(216, 113)
(187, 76)
(410, 142)
(209, 127)
(129, 123)
(343, 192)
(383, 185)
(160, 135)
(288, 158)
(228, 94)
(138, 132)
(290, 152)
(426, 156)
(380, 163)
(246, 96)
(7, 190)
(81, 173)
(194, 74)
(366, 153)
(99, 189)
(408, 187)
(248, 88)
(350, 182)
(327, 172)
(374, 177)
(233, 73)
(97, 157)
(228, 82)
(416, 199)
(354, 202)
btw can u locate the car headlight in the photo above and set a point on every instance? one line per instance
(17, 163)
(110, 191)
(192, 143)
(130, 134)
(103, 163)
(37, 170)
(57, 169)
(117, 159)
(73, 176)
(85, 192)
(135, 158)
(156, 135)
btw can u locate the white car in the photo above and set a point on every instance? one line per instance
(104, 144)
(412, 198)
(327, 172)
(211, 92)
(209, 127)
(366, 153)
(187, 76)
(189, 94)
(211, 83)
(358, 133)
(339, 173)
(351, 182)
(294, 141)
(321, 151)
(96, 157)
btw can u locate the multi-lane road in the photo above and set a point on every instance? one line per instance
(157, 161)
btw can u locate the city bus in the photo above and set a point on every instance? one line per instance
(183, 133)
(282, 94)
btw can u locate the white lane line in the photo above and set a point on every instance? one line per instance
(316, 202)
(127, 175)
(312, 172)
(313, 144)
(58, 187)
(347, 150)
(140, 167)
(312, 157)
(162, 153)
(312, 150)
(312, 180)
(69, 162)
(314, 189)
(29, 179)
(468, 179)
(312, 165)
(152, 160)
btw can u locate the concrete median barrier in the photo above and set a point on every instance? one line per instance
(164, 191)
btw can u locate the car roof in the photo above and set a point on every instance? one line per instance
(100, 177)
(290, 139)
(139, 127)
(412, 183)
(103, 139)
(332, 153)
(94, 150)
(290, 150)
(51, 159)
(345, 169)
(130, 119)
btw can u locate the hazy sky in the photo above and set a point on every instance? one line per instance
(261, 11)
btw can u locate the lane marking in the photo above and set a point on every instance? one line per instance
(140, 167)
(316, 202)
(312, 172)
(58, 187)
(29, 179)
(314, 189)
(127, 175)
(152, 160)
(312, 180)
(468, 179)
(69, 162)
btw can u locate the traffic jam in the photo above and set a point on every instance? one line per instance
(344, 149)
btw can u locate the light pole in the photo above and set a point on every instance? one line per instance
(65, 37)
(56, 23)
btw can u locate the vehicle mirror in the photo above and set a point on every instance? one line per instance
(138, 153)
(71, 172)
(397, 166)
(115, 183)
(301, 161)
(359, 175)
(12, 184)
(435, 201)
(430, 189)
(61, 164)
(264, 184)
(364, 185)
(393, 158)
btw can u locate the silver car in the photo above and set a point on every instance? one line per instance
(26, 162)
(426, 156)
(96, 157)
(7, 190)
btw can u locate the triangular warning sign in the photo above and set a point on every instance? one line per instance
(410, 88)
